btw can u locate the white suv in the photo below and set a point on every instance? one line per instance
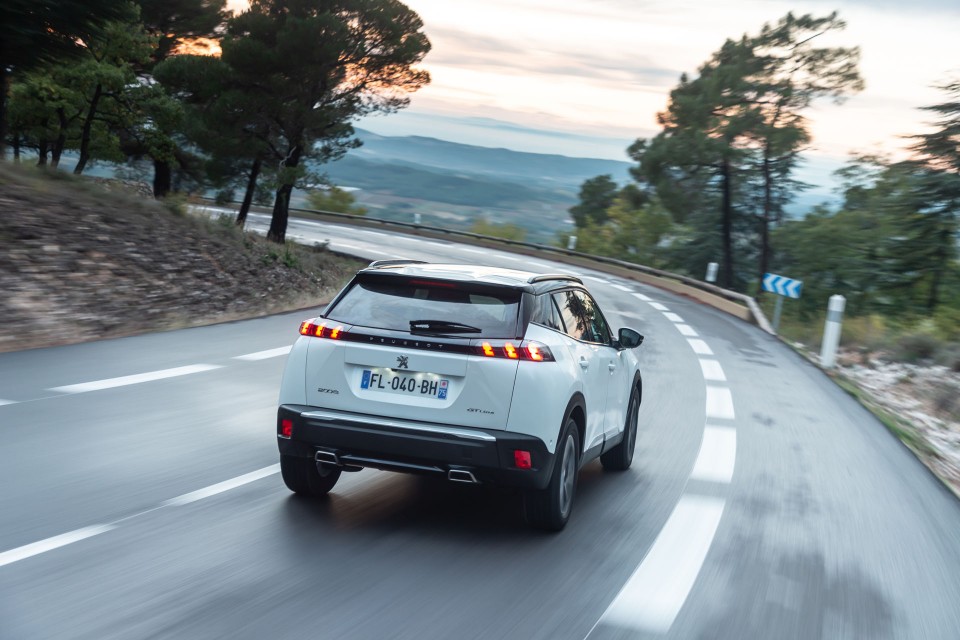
(475, 374)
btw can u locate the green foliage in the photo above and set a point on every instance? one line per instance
(596, 196)
(336, 200)
(507, 231)
(642, 235)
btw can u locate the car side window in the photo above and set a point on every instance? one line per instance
(547, 313)
(582, 317)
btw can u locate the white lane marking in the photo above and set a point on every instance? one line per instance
(122, 381)
(3, 402)
(468, 250)
(686, 329)
(712, 370)
(36, 548)
(720, 403)
(659, 307)
(220, 487)
(654, 594)
(643, 297)
(700, 347)
(595, 279)
(672, 317)
(621, 287)
(718, 455)
(263, 355)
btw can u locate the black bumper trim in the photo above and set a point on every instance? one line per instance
(384, 444)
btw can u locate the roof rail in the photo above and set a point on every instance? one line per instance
(393, 263)
(554, 276)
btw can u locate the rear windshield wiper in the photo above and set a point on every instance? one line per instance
(441, 326)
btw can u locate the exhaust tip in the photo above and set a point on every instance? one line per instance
(461, 475)
(327, 457)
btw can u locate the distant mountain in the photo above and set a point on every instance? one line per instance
(547, 171)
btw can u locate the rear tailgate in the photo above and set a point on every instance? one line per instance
(455, 389)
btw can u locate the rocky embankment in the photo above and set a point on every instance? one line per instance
(81, 260)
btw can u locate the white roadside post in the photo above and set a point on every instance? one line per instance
(831, 331)
(571, 243)
(712, 272)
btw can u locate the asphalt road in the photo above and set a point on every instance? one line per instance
(140, 498)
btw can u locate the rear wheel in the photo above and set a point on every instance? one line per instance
(302, 476)
(621, 456)
(550, 508)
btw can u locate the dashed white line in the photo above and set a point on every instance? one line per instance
(263, 355)
(686, 329)
(36, 548)
(655, 593)
(468, 250)
(672, 317)
(621, 287)
(122, 381)
(712, 371)
(700, 347)
(659, 307)
(643, 297)
(3, 402)
(220, 487)
(596, 279)
(718, 455)
(720, 403)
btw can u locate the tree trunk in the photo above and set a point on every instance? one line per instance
(162, 178)
(281, 204)
(727, 225)
(43, 150)
(251, 189)
(765, 218)
(4, 87)
(61, 140)
(16, 148)
(87, 128)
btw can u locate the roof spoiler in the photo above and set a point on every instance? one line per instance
(376, 264)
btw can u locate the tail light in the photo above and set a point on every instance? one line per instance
(311, 328)
(533, 351)
(286, 428)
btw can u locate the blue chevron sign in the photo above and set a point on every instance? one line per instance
(782, 285)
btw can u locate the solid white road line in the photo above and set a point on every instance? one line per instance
(700, 347)
(654, 594)
(596, 279)
(122, 381)
(718, 455)
(469, 250)
(643, 297)
(659, 307)
(686, 329)
(672, 317)
(36, 548)
(621, 287)
(719, 403)
(712, 371)
(3, 402)
(263, 355)
(220, 487)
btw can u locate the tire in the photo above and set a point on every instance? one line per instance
(549, 509)
(303, 478)
(621, 456)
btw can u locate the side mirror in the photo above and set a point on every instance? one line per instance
(629, 339)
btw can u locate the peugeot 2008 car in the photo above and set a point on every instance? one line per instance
(475, 374)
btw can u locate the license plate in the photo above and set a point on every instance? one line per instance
(421, 385)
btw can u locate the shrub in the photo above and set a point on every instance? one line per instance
(916, 347)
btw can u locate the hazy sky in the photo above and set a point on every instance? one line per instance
(602, 69)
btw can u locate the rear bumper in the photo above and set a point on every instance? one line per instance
(400, 445)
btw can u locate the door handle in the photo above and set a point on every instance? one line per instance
(584, 363)
(612, 366)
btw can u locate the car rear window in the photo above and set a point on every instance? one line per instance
(394, 305)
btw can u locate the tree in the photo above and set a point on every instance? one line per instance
(174, 21)
(931, 232)
(789, 73)
(596, 196)
(317, 64)
(36, 32)
(336, 200)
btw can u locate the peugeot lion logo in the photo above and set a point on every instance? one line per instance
(402, 362)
